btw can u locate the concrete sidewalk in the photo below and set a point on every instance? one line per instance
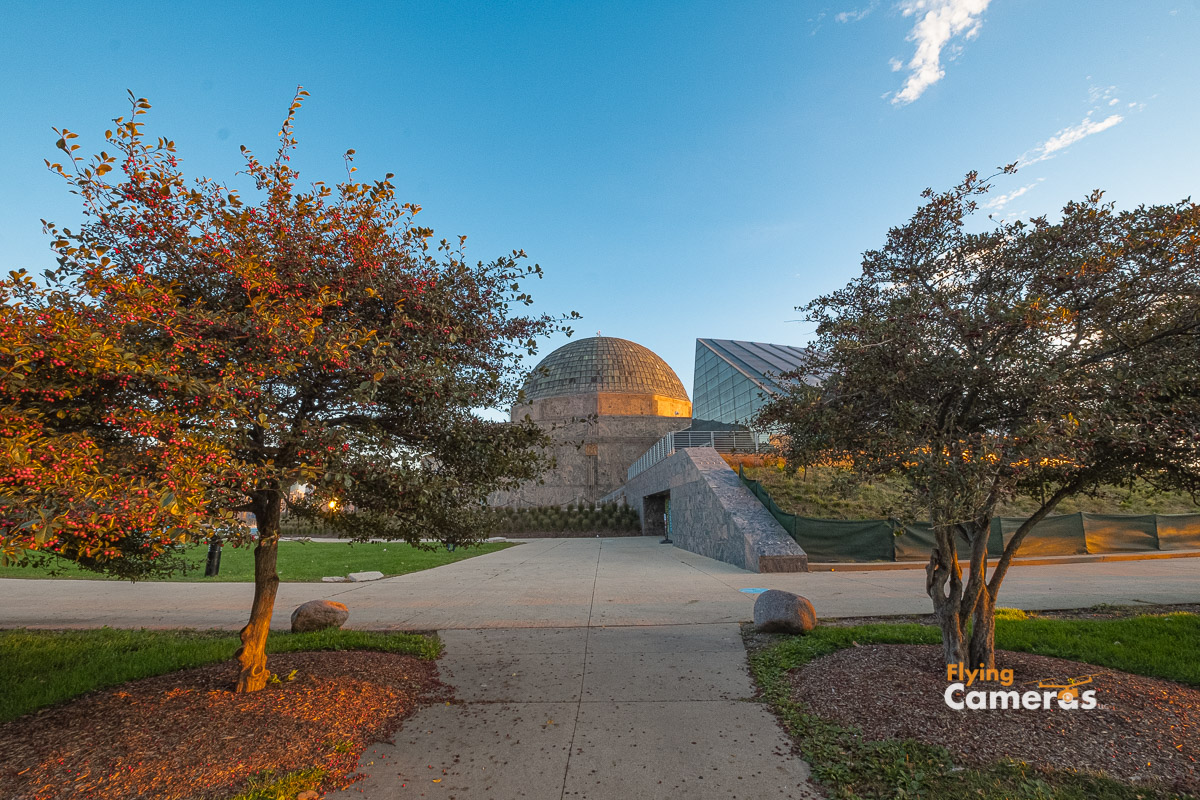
(585, 668)
(574, 583)
(589, 712)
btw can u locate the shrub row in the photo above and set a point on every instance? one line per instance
(555, 519)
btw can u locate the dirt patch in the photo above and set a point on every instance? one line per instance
(187, 735)
(1143, 729)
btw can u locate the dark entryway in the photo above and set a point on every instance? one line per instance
(655, 509)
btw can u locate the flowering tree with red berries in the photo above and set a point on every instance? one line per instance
(199, 352)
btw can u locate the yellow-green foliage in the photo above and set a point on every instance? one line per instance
(834, 493)
(1011, 614)
(270, 786)
(831, 493)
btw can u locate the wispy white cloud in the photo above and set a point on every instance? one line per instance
(938, 23)
(1103, 100)
(1005, 199)
(896, 64)
(1101, 94)
(856, 14)
(1069, 136)
(815, 23)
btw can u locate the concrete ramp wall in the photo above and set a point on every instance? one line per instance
(712, 512)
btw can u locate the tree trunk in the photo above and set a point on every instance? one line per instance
(983, 622)
(980, 603)
(943, 583)
(983, 632)
(252, 655)
(954, 645)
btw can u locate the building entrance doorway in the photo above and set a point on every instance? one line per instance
(656, 515)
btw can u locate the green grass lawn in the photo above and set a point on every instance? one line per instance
(851, 767)
(282, 787)
(40, 668)
(298, 561)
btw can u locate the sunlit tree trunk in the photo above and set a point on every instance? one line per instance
(982, 648)
(253, 653)
(979, 604)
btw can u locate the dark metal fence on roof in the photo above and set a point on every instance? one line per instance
(721, 441)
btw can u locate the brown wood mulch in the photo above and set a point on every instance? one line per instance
(187, 735)
(1144, 729)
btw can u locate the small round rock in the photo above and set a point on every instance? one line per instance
(777, 611)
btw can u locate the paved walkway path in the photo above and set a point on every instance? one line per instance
(577, 582)
(589, 712)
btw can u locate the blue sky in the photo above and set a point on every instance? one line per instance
(678, 169)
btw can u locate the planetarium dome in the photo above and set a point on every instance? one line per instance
(603, 402)
(603, 364)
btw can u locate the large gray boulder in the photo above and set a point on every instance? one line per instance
(777, 611)
(317, 615)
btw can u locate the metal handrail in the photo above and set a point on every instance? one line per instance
(721, 441)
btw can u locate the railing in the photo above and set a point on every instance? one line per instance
(721, 441)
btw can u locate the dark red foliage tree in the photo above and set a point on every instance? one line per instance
(1063, 355)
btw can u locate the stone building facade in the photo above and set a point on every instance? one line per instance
(605, 401)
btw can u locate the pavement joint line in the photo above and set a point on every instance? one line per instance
(603, 627)
(363, 585)
(499, 572)
(605, 701)
(465, 589)
(870, 582)
(710, 575)
(611, 701)
(406, 620)
(521, 563)
(583, 674)
(716, 576)
(461, 592)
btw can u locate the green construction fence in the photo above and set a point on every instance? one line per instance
(1059, 535)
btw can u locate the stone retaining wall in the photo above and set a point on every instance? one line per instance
(712, 513)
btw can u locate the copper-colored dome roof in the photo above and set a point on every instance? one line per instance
(603, 364)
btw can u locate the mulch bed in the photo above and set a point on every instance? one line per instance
(1144, 729)
(187, 735)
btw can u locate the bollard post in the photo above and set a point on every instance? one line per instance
(212, 565)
